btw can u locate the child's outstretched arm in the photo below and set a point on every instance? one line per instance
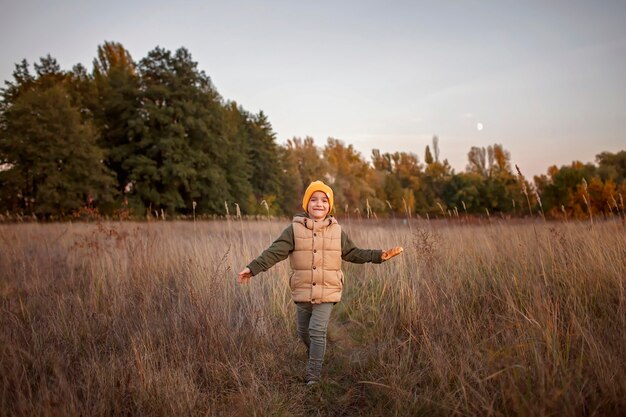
(278, 251)
(351, 253)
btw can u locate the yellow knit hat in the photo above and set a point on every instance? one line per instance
(317, 186)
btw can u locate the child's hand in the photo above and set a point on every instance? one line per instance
(244, 276)
(390, 253)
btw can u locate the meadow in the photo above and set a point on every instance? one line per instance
(506, 318)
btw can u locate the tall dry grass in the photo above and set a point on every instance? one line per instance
(147, 319)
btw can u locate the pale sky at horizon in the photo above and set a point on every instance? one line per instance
(546, 79)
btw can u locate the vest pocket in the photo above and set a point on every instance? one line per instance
(291, 274)
(333, 279)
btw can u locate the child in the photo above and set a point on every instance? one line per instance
(315, 245)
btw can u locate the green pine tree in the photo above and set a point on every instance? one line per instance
(52, 164)
(114, 97)
(182, 153)
(263, 156)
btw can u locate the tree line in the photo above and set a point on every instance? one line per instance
(156, 136)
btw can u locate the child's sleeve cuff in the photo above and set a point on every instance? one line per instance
(255, 268)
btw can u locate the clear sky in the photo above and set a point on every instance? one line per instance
(546, 79)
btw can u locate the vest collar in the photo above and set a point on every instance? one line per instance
(312, 224)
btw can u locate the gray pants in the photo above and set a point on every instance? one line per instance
(312, 320)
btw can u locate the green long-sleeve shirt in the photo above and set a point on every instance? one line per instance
(281, 248)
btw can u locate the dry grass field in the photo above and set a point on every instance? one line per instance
(501, 319)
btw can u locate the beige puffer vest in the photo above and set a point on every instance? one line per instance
(316, 261)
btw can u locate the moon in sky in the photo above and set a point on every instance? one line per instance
(479, 126)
